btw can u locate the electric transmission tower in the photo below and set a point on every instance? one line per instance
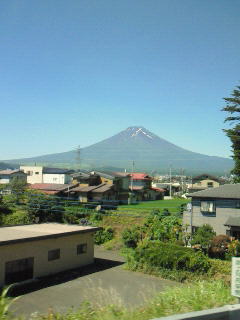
(78, 158)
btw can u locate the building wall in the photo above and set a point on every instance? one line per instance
(56, 178)
(126, 183)
(204, 184)
(34, 174)
(225, 208)
(105, 180)
(5, 180)
(39, 250)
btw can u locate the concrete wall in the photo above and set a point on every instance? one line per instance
(39, 250)
(225, 208)
(56, 178)
(34, 174)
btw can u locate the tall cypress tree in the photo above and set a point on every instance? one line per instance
(233, 108)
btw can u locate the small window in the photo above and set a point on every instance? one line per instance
(207, 206)
(53, 254)
(81, 248)
(36, 172)
(194, 229)
(210, 184)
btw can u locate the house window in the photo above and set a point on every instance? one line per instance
(210, 184)
(238, 204)
(36, 172)
(29, 173)
(194, 229)
(207, 206)
(53, 254)
(81, 248)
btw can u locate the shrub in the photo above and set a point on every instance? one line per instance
(46, 208)
(17, 218)
(169, 256)
(219, 246)
(234, 248)
(130, 237)
(203, 237)
(103, 235)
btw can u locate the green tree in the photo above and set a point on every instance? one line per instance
(18, 187)
(203, 237)
(233, 108)
(43, 208)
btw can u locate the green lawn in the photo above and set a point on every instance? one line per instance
(146, 206)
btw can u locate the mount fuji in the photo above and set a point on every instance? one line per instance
(148, 151)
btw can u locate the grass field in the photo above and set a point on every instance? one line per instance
(172, 205)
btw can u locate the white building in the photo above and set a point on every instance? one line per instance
(38, 250)
(37, 174)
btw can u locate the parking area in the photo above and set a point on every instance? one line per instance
(105, 282)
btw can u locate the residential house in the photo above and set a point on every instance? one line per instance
(7, 175)
(120, 182)
(100, 193)
(141, 186)
(86, 179)
(37, 250)
(38, 174)
(218, 207)
(204, 181)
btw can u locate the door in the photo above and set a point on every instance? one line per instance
(19, 270)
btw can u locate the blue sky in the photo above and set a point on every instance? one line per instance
(76, 72)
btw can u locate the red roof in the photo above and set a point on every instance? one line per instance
(140, 176)
(158, 189)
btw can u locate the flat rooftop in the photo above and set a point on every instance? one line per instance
(33, 232)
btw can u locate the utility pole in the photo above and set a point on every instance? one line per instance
(182, 179)
(170, 181)
(78, 158)
(132, 175)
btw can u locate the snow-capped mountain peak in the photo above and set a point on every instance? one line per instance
(134, 131)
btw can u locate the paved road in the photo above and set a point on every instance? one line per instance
(106, 282)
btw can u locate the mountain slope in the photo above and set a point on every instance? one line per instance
(149, 152)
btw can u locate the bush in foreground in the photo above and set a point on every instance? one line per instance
(157, 254)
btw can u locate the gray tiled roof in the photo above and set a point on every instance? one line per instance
(226, 191)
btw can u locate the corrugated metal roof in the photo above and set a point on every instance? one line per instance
(226, 191)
